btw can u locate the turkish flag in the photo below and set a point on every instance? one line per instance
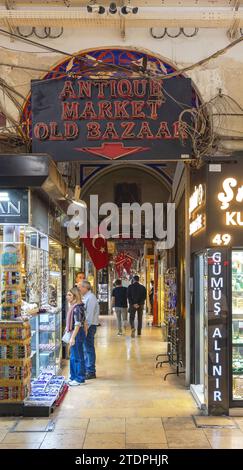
(123, 260)
(119, 263)
(96, 246)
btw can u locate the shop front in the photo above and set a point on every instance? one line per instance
(31, 276)
(215, 220)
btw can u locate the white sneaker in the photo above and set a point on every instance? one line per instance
(74, 383)
(119, 333)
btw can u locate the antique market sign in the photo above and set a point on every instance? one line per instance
(132, 119)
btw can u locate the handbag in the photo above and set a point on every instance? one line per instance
(66, 337)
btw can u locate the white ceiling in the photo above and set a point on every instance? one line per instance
(12, 4)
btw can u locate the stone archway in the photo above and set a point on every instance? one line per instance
(126, 171)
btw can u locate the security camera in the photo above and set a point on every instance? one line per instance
(112, 8)
(126, 10)
(96, 9)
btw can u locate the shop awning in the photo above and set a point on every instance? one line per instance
(32, 171)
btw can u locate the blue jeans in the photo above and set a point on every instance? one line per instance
(77, 363)
(89, 350)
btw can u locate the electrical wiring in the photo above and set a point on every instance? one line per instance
(35, 43)
(202, 123)
(8, 87)
(120, 67)
(179, 103)
(206, 120)
(26, 52)
(26, 67)
(58, 51)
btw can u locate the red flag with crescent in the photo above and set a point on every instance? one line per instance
(96, 245)
(123, 260)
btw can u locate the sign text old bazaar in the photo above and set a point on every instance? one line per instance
(136, 119)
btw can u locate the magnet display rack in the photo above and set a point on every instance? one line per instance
(15, 336)
(171, 321)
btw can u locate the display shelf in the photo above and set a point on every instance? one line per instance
(237, 325)
(48, 350)
(10, 289)
(20, 286)
(14, 382)
(50, 338)
(31, 313)
(21, 402)
(47, 392)
(47, 330)
(14, 341)
(15, 363)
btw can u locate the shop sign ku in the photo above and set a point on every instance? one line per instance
(132, 119)
(232, 194)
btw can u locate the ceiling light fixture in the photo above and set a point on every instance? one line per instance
(126, 10)
(94, 8)
(112, 8)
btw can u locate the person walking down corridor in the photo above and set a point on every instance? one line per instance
(76, 325)
(136, 294)
(151, 298)
(119, 301)
(92, 318)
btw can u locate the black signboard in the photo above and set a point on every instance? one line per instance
(220, 210)
(93, 120)
(218, 312)
(14, 206)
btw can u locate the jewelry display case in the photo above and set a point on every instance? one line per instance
(50, 315)
(24, 279)
(237, 325)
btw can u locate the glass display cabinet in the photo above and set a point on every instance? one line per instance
(50, 325)
(50, 340)
(103, 291)
(34, 325)
(74, 266)
(237, 325)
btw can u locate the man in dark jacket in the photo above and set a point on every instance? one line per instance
(119, 301)
(136, 294)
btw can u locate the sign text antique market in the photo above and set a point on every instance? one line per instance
(133, 119)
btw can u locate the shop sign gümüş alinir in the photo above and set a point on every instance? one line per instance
(93, 120)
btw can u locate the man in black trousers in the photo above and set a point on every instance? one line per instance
(136, 294)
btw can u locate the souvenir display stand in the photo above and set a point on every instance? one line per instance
(47, 392)
(15, 336)
(171, 320)
(103, 291)
(30, 323)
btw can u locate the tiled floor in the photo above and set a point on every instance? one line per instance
(128, 406)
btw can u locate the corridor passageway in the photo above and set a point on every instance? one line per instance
(128, 406)
(128, 384)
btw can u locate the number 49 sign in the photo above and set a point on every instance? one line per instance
(221, 239)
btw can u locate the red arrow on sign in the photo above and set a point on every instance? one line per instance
(112, 150)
